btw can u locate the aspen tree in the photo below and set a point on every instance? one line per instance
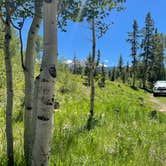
(45, 103)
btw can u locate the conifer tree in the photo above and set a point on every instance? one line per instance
(87, 71)
(157, 70)
(124, 76)
(133, 39)
(147, 45)
(74, 64)
(103, 74)
(127, 72)
(79, 68)
(163, 39)
(120, 67)
(109, 75)
(113, 74)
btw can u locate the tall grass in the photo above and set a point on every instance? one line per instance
(126, 130)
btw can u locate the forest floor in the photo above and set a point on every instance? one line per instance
(159, 103)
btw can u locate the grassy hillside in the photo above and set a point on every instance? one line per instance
(126, 130)
(162, 99)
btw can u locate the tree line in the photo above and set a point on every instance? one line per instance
(147, 55)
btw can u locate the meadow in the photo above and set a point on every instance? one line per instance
(127, 130)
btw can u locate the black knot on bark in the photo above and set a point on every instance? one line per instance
(56, 105)
(52, 71)
(49, 102)
(43, 118)
(29, 108)
(7, 36)
(38, 77)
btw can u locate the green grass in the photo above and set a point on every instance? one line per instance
(162, 99)
(126, 130)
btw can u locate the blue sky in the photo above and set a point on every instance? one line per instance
(113, 43)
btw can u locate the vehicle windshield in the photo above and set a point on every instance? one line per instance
(161, 83)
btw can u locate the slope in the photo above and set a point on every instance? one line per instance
(126, 129)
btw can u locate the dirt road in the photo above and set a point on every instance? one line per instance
(160, 105)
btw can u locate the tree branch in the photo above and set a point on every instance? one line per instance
(19, 28)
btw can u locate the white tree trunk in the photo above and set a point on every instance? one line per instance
(34, 113)
(9, 85)
(45, 103)
(29, 77)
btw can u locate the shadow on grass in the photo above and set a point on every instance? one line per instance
(92, 122)
(147, 90)
(134, 88)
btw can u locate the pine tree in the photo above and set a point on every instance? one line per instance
(127, 72)
(157, 70)
(87, 71)
(124, 76)
(79, 68)
(113, 74)
(102, 80)
(120, 67)
(163, 39)
(74, 64)
(134, 35)
(147, 45)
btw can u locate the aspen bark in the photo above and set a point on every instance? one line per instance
(29, 77)
(92, 70)
(45, 103)
(9, 84)
(34, 115)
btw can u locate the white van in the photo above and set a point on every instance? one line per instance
(159, 88)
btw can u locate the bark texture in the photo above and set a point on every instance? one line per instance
(34, 113)
(92, 70)
(29, 78)
(9, 83)
(45, 101)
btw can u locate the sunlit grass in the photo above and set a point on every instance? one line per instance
(162, 99)
(125, 130)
